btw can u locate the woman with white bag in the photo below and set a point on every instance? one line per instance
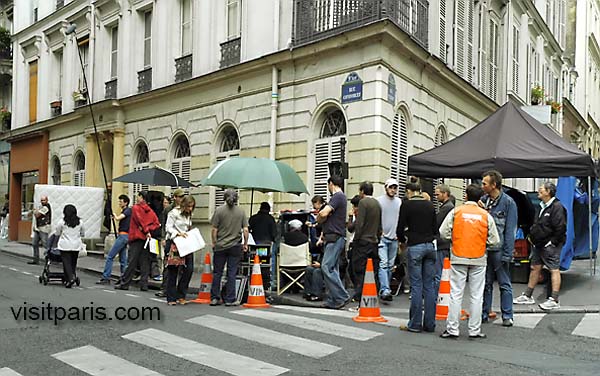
(179, 222)
(69, 232)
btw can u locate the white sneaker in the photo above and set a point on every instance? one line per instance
(550, 304)
(523, 299)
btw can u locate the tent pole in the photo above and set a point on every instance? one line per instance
(251, 201)
(592, 271)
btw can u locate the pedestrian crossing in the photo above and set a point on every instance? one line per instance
(334, 336)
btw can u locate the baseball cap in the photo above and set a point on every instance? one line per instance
(295, 224)
(390, 182)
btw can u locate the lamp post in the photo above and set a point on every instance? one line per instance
(88, 97)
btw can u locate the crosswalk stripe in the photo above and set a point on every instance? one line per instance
(392, 321)
(265, 336)
(308, 323)
(203, 354)
(525, 320)
(94, 361)
(589, 326)
(8, 372)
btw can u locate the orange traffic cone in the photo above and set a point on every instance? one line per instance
(256, 296)
(369, 303)
(205, 283)
(443, 301)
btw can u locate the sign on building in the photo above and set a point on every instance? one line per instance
(391, 97)
(352, 88)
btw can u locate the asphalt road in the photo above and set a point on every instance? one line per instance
(285, 340)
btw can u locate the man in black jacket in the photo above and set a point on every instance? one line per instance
(442, 193)
(548, 235)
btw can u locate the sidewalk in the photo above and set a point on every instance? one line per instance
(580, 292)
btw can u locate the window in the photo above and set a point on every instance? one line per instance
(147, 39)
(443, 30)
(84, 50)
(229, 146)
(79, 170)
(186, 27)
(181, 161)
(142, 162)
(233, 19)
(515, 59)
(493, 59)
(33, 86)
(399, 152)
(328, 148)
(59, 73)
(56, 171)
(114, 52)
(463, 44)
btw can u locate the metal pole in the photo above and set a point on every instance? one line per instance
(89, 103)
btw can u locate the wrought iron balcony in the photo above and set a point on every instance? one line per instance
(60, 4)
(110, 89)
(145, 80)
(183, 68)
(319, 19)
(230, 52)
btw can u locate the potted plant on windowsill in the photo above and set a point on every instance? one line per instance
(555, 107)
(5, 118)
(80, 98)
(537, 95)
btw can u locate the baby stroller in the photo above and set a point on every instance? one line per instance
(53, 260)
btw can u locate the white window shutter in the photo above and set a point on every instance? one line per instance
(482, 51)
(469, 24)
(322, 158)
(137, 188)
(219, 193)
(402, 155)
(442, 45)
(493, 60)
(460, 38)
(515, 59)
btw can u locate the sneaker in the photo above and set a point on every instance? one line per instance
(161, 294)
(158, 278)
(387, 297)
(406, 328)
(523, 299)
(550, 304)
(507, 322)
(447, 334)
(214, 302)
(477, 336)
(232, 304)
(103, 281)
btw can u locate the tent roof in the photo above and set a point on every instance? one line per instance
(510, 141)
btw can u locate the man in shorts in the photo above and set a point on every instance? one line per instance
(548, 235)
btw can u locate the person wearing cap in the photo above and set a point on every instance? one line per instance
(262, 225)
(295, 237)
(388, 245)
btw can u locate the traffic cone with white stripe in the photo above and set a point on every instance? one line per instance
(443, 301)
(205, 283)
(256, 295)
(369, 302)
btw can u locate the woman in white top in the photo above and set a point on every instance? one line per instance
(69, 232)
(179, 221)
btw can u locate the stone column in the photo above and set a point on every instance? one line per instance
(92, 166)
(118, 168)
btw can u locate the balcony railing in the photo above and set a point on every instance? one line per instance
(145, 80)
(183, 68)
(319, 19)
(230, 52)
(110, 89)
(60, 4)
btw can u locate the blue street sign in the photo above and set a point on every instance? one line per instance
(391, 89)
(352, 88)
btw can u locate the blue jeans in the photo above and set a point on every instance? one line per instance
(388, 249)
(421, 269)
(496, 268)
(118, 248)
(232, 257)
(439, 267)
(313, 282)
(331, 274)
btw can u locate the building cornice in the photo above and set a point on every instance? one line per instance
(541, 25)
(569, 108)
(52, 19)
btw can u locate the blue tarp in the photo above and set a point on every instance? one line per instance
(571, 192)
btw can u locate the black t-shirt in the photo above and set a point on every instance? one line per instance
(336, 222)
(263, 228)
(124, 223)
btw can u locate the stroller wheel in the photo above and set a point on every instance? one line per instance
(77, 281)
(45, 281)
(40, 278)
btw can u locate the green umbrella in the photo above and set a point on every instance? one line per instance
(260, 174)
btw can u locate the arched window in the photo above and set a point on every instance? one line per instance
(56, 171)
(142, 158)
(328, 147)
(79, 170)
(399, 152)
(229, 146)
(181, 158)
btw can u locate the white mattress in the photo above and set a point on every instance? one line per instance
(88, 201)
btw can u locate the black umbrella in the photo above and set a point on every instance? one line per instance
(155, 176)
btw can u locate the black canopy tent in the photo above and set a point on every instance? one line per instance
(512, 142)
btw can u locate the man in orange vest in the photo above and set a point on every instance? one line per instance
(471, 229)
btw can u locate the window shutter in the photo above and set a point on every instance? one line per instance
(469, 23)
(321, 175)
(219, 193)
(33, 88)
(460, 40)
(515, 59)
(79, 178)
(493, 60)
(394, 149)
(482, 52)
(182, 168)
(442, 30)
(402, 155)
(137, 188)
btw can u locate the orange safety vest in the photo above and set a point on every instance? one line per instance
(469, 232)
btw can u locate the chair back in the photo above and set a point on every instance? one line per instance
(294, 256)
